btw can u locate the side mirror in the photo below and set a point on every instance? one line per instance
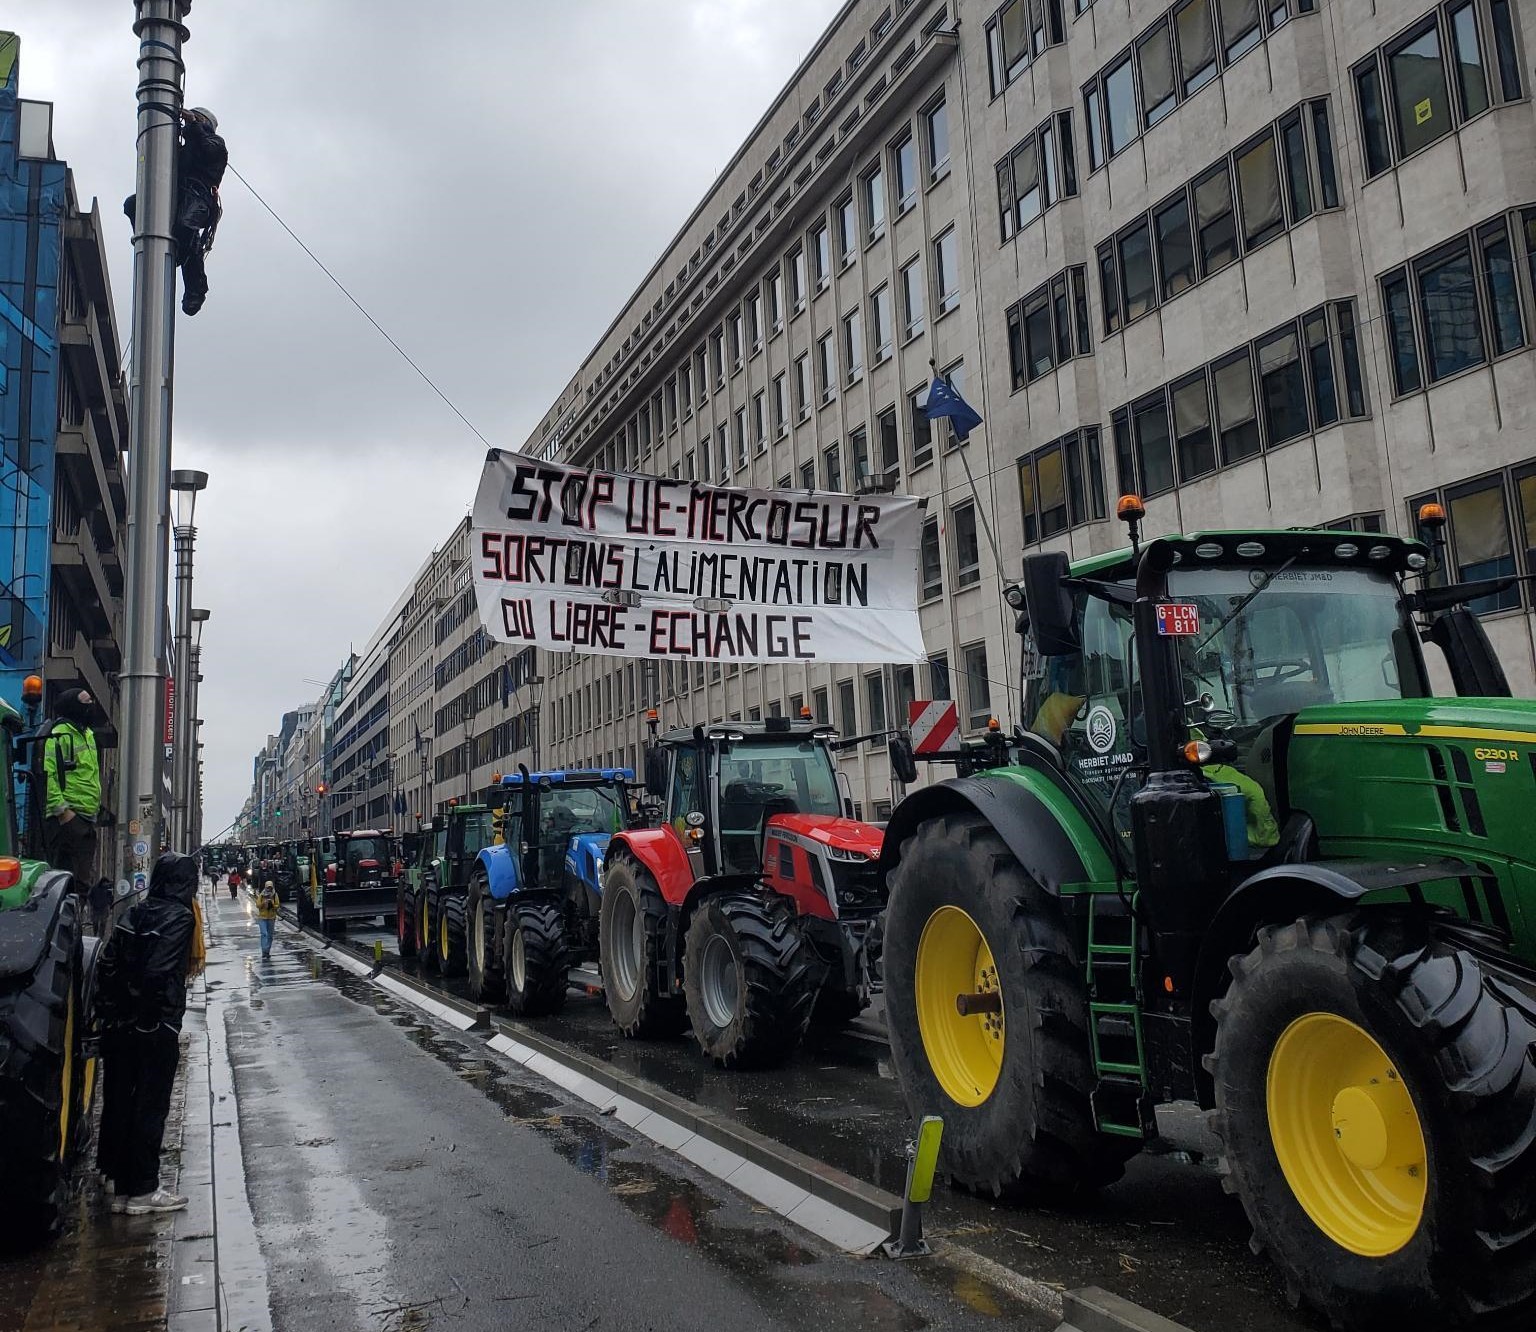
(903, 763)
(1052, 616)
(656, 771)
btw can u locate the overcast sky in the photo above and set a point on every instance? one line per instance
(490, 178)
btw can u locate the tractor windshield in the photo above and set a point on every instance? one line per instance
(478, 833)
(760, 780)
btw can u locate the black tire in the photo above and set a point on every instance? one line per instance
(836, 1006)
(452, 934)
(1464, 1046)
(483, 947)
(405, 922)
(1034, 1131)
(534, 959)
(638, 1007)
(749, 979)
(426, 928)
(42, 1092)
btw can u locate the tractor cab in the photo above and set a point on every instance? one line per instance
(560, 822)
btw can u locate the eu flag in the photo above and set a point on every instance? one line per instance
(943, 401)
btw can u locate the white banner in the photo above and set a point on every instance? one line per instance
(642, 566)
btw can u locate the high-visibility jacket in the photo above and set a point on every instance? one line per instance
(266, 904)
(73, 770)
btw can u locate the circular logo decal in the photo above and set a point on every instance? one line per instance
(1101, 730)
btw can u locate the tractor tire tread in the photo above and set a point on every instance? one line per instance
(546, 961)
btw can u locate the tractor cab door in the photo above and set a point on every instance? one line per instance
(686, 795)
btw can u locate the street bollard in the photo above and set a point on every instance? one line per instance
(378, 958)
(924, 1158)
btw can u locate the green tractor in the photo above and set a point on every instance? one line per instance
(1240, 854)
(430, 907)
(47, 1034)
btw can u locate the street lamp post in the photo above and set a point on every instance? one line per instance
(194, 757)
(185, 486)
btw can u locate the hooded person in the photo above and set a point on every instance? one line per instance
(141, 998)
(72, 787)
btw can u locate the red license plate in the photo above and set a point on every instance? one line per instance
(1175, 621)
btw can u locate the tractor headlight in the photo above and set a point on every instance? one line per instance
(841, 853)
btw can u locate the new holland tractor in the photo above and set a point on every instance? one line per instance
(430, 905)
(753, 906)
(1243, 856)
(47, 1033)
(534, 897)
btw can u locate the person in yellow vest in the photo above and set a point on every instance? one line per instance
(72, 800)
(267, 902)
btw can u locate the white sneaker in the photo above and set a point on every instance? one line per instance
(161, 1200)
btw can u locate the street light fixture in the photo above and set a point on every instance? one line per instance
(185, 486)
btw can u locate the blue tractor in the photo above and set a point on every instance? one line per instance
(532, 907)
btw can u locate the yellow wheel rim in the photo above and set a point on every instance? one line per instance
(442, 936)
(955, 961)
(67, 1089)
(423, 929)
(1347, 1134)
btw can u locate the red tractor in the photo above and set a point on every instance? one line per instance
(754, 907)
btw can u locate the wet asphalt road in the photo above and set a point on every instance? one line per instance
(1166, 1235)
(401, 1175)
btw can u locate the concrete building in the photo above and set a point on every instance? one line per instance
(63, 422)
(1262, 264)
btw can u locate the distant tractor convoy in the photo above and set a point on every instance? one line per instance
(1237, 853)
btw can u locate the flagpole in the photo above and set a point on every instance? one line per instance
(981, 512)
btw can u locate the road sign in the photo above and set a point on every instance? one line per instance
(141, 848)
(932, 724)
(1178, 621)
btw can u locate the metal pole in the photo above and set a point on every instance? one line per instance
(183, 740)
(160, 31)
(195, 750)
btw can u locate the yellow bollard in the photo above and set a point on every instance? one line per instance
(909, 1242)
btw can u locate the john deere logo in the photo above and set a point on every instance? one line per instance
(1101, 730)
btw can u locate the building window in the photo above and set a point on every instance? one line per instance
(734, 328)
(796, 265)
(826, 366)
(1258, 189)
(775, 290)
(874, 703)
(1093, 120)
(922, 427)
(820, 707)
(858, 455)
(967, 549)
(1018, 34)
(912, 298)
(760, 418)
(938, 677)
(889, 444)
(780, 404)
(721, 453)
(904, 165)
(978, 686)
(936, 133)
(740, 422)
(821, 255)
(881, 329)
(847, 713)
(873, 192)
(754, 317)
(1175, 247)
(847, 230)
(1404, 90)
(832, 465)
(808, 476)
(853, 346)
(1042, 327)
(1479, 540)
(1281, 386)
(932, 561)
(1154, 59)
(1193, 443)
(1197, 45)
(1138, 276)
(717, 360)
(946, 271)
(1061, 485)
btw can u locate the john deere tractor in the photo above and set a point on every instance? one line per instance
(535, 895)
(1242, 855)
(431, 903)
(754, 906)
(47, 1034)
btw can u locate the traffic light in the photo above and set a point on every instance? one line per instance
(321, 788)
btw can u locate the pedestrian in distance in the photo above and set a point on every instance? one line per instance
(71, 777)
(141, 996)
(234, 884)
(267, 902)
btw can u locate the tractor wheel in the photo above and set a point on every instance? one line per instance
(426, 930)
(405, 922)
(749, 979)
(535, 959)
(836, 1006)
(631, 928)
(483, 960)
(1376, 1098)
(43, 1084)
(452, 934)
(1013, 1085)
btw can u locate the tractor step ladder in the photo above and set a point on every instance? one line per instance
(1120, 1103)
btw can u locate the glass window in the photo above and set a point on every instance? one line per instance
(936, 126)
(847, 229)
(1072, 460)
(853, 346)
(874, 204)
(1236, 415)
(1192, 428)
(962, 522)
(1215, 223)
(1027, 500)
(1528, 224)
(759, 417)
(1120, 97)
(1079, 276)
(1017, 372)
(1373, 119)
(1325, 398)
(826, 367)
(1239, 25)
(933, 569)
(821, 705)
(821, 253)
(922, 427)
(1197, 44)
(775, 300)
(1095, 473)
(1137, 278)
(754, 321)
(808, 476)
(1061, 318)
(874, 701)
(1500, 287)
(1154, 54)
(780, 404)
(1480, 539)
(1504, 48)
(912, 297)
(1025, 166)
(1068, 154)
(1154, 448)
(1471, 77)
(1175, 248)
(1109, 288)
(832, 467)
(1525, 492)
(946, 274)
(1125, 456)
(847, 715)
(797, 278)
(904, 163)
(890, 443)
(1327, 173)
(1399, 310)
(1051, 485)
(1417, 76)
(1093, 113)
(938, 676)
(978, 686)
(1349, 354)
(1283, 386)
(1037, 336)
(803, 385)
(1006, 205)
(881, 324)
(1298, 176)
(1258, 188)
(1453, 335)
(1048, 177)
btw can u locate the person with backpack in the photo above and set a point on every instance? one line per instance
(267, 903)
(67, 773)
(141, 997)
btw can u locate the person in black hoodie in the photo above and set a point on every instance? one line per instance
(142, 994)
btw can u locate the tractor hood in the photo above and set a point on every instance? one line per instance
(584, 857)
(1450, 777)
(845, 835)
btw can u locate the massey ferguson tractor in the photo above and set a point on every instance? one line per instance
(1240, 854)
(753, 905)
